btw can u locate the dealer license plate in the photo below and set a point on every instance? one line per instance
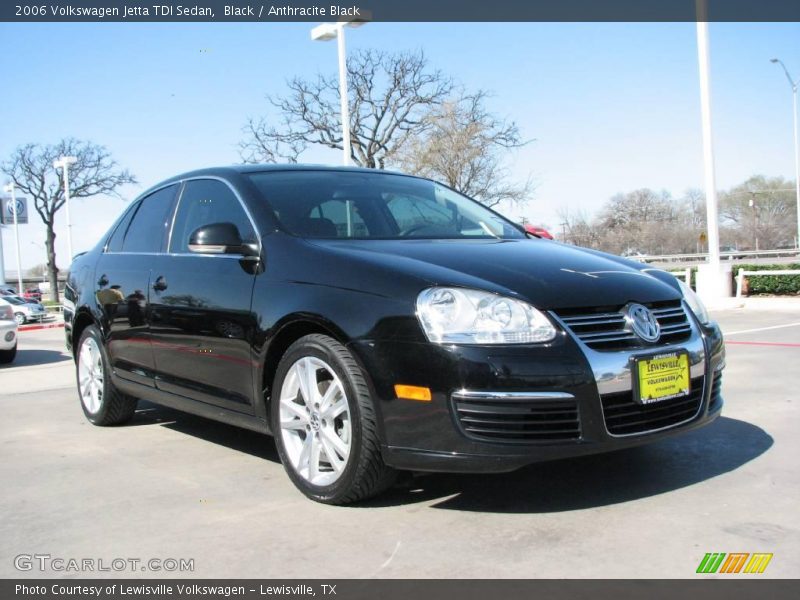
(661, 377)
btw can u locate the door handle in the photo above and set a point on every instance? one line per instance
(160, 284)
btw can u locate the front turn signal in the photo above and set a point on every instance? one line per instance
(413, 392)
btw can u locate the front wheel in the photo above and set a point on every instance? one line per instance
(102, 403)
(19, 318)
(8, 356)
(324, 422)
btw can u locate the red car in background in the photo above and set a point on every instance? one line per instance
(539, 232)
(34, 294)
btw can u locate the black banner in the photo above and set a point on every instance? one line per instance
(398, 10)
(738, 588)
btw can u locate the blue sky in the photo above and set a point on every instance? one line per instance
(611, 107)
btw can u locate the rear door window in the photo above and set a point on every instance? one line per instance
(149, 225)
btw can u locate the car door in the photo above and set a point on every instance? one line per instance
(122, 277)
(201, 323)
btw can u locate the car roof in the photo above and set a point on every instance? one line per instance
(270, 167)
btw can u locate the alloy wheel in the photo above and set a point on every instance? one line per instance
(315, 421)
(90, 375)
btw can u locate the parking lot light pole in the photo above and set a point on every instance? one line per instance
(63, 164)
(794, 84)
(713, 279)
(12, 189)
(708, 145)
(325, 33)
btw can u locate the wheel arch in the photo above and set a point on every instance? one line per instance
(286, 334)
(291, 330)
(83, 318)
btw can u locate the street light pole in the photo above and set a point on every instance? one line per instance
(794, 84)
(12, 189)
(344, 106)
(708, 148)
(325, 33)
(63, 163)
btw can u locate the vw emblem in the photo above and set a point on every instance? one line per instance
(643, 322)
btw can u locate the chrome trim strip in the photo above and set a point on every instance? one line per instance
(514, 396)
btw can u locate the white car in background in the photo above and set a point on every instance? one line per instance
(25, 310)
(8, 332)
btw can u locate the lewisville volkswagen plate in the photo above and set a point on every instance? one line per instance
(662, 377)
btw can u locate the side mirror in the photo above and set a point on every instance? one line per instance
(220, 238)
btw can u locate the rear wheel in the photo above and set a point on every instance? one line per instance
(19, 318)
(102, 403)
(324, 423)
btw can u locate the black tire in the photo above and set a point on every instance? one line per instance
(8, 356)
(365, 474)
(115, 406)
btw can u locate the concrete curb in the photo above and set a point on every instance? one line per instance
(40, 326)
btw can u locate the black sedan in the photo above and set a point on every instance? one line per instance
(375, 322)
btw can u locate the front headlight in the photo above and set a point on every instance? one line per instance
(463, 316)
(694, 302)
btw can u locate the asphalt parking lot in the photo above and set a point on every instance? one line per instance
(170, 485)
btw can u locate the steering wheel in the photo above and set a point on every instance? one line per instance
(414, 228)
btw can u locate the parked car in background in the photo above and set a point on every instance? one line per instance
(376, 322)
(33, 295)
(25, 310)
(539, 232)
(6, 290)
(8, 332)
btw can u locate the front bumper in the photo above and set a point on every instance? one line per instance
(563, 376)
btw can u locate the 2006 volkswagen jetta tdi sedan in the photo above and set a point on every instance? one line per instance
(375, 322)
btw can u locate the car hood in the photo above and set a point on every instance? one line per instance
(547, 274)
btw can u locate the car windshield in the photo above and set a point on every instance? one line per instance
(358, 205)
(14, 300)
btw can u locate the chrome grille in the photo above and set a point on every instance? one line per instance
(606, 328)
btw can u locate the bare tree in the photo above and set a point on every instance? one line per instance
(761, 211)
(390, 97)
(579, 229)
(464, 145)
(30, 167)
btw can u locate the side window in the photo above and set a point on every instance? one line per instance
(114, 243)
(203, 202)
(338, 218)
(146, 231)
